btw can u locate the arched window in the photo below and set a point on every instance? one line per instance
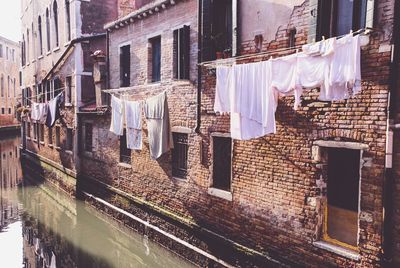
(2, 85)
(40, 35)
(48, 29)
(68, 19)
(33, 42)
(27, 46)
(55, 13)
(23, 50)
(8, 87)
(15, 93)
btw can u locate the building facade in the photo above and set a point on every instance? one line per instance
(9, 81)
(314, 194)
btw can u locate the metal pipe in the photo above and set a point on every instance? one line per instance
(199, 60)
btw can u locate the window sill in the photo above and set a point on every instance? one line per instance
(69, 152)
(56, 49)
(124, 165)
(58, 148)
(180, 179)
(40, 57)
(344, 252)
(48, 53)
(68, 105)
(220, 193)
(28, 138)
(42, 143)
(33, 61)
(51, 146)
(27, 64)
(67, 44)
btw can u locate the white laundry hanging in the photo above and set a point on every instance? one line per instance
(117, 119)
(133, 118)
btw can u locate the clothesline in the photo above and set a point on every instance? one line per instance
(59, 90)
(227, 62)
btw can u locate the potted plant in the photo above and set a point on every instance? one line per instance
(217, 40)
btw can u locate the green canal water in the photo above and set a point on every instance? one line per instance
(42, 227)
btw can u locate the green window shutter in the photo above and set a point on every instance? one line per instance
(313, 21)
(369, 20)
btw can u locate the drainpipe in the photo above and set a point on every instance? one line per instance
(199, 60)
(388, 223)
(108, 57)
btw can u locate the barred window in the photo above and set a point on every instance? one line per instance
(41, 132)
(50, 137)
(88, 137)
(222, 163)
(124, 151)
(180, 155)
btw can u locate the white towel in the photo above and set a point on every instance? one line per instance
(35, 112)
(117, 119)
(133, 117)
(223, 89)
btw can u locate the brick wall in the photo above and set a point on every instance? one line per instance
(277, 200)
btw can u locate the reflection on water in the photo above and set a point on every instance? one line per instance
(41, 227)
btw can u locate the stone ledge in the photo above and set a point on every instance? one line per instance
(344, 252)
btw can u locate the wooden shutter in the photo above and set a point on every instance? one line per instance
(176, 54)
(313, 21)
(185, 50)
(206, 18)
(369, 20)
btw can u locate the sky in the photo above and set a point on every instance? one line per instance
(10, 23)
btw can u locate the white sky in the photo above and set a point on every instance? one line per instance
(10, 24)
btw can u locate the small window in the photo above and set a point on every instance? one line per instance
(125, 65)
(180, 155)
(292, 37)
(339, 17)
(58, 136)
(9, 111)
(50, 137)
(155, 56)
(28, 129)
(124, 151)
(35, 130)
(341, 219)
(182, 53)
(68, 90)
(41, 132)
(70, 137)
(88, 137)
(222, 163)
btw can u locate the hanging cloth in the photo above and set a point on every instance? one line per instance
(54, 110)
(35, 112)
(223, 89)
(43, 110)
(117, 119)
(133, 118)
(158, 124)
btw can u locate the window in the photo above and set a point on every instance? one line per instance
(8, 87)
(58, 136)
(180, 155)
(124, 151)
(182, 52)
(55, 16)
(41, 132)
(35, 130)
(68, 90)
(292, 37)
(40, 35)
(338, 17)
(125, 65)
(28, 129)
(68, 19)
(70, 137)
(88, 137)
(27, 46)
(15, 92)
(2, 85)
(3, 111)
(50, 135)
(155, 59)
(219, 28)
(9, 110)
(222, 154)
(1, 50)
(48, 29)
(6, 53)
(341, 219)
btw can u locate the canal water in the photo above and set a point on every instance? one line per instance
(42, 227)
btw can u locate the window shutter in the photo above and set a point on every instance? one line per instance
(176, 54)
(369, 21)
(235, 29)
(185, 52)
(313, 21)
(206, 16)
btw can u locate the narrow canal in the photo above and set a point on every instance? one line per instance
(42, 227)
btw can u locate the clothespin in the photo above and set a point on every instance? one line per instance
(351, 31)
(323, 38)
(313, 41)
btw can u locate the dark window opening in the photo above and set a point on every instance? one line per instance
(124, 151)
(41, 132)
(182, 52)
(68, 15)
(70, 137)
(68, 90)
(88, 137)
(343, 195)
(180, 155)
(339, 17)
(48, 29)
(55, 13)
(58, 136)
(28, 129)
(50, 137)
(125, 65)
(292, 37)
(222, 163)
(40, 35)
(155, 59)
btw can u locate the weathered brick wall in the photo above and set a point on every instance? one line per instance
(96, 13)
(276, 202)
